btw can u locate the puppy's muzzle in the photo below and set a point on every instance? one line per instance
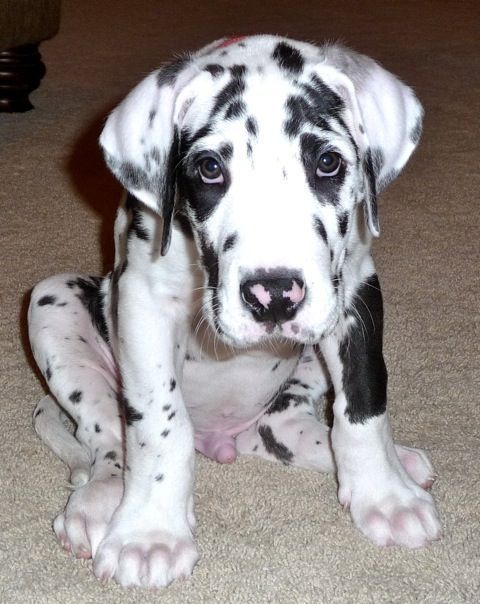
(273, 297)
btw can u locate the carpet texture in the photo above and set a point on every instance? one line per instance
(266, 533)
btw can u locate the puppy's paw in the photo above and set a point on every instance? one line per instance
(394, 512)
(145, 558)
(83, 523)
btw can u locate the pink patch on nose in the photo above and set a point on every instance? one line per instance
(261, 294)
(296, 294)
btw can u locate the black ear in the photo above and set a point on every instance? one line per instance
(370, 206)
(170, 192)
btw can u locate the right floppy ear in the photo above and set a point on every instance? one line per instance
(141, 143)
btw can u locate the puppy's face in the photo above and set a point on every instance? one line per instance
(277, 149)
(269, 179)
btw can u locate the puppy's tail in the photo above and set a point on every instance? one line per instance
(49, 424)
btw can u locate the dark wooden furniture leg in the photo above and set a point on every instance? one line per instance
(21, 70)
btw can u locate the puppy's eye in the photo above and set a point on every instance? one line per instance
(210, 170)
(329, 164)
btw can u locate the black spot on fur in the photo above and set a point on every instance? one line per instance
(280, 402)
(343, 223)
(111, 455)
(158, 477)
(92, 299)
(320, 229)
(82, 339)
(168, 73)
(173, 384)
(45, 300)
(364, 372)
(231, 91)
(276, 366)
(136, 226)
(76, 396)
(151, 117)
(131, 414)
(235, 110)
(165, 433)
(171, 416)
(62, 304)
(214, 69)
(251, 126)
(167, 407)
(226, 151)
(48, 371)
(275, 448)
(230, 241)
(288, 58)
(97, 428)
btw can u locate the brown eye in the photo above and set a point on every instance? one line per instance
(329, 164)
(210, 170)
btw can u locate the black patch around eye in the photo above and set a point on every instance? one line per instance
(230, 241)
(214, 69)
(187, 139)
(46, 300)
(251, 126)
(235, 110)
(199, 197)
(320, 229)
(325, 188)
(288, 58)
(343, 223)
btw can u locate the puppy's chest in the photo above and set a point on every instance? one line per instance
(229, 395)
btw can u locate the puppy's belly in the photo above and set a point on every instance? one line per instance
(225, 397)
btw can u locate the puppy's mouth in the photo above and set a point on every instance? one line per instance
(251, 333)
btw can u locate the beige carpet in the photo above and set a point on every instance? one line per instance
(266, 533)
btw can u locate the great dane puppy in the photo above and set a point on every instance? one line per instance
(243, 287)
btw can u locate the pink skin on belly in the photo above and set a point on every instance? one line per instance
(219, 444)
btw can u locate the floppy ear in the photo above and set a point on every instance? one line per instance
(386, 120)
(141, 144)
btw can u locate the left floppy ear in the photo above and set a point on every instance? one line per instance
(385, 120)
(141, 143)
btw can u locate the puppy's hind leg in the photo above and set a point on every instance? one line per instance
(49, 423)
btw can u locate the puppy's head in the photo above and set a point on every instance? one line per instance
(274, 151)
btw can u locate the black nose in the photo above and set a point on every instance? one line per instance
(273, 297)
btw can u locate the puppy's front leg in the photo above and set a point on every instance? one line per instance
(385, 503)
(149, 541)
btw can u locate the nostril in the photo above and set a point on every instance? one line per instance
(296, 293)
(273, 297)
(255, 293)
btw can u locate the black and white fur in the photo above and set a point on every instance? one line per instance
(243, 287)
